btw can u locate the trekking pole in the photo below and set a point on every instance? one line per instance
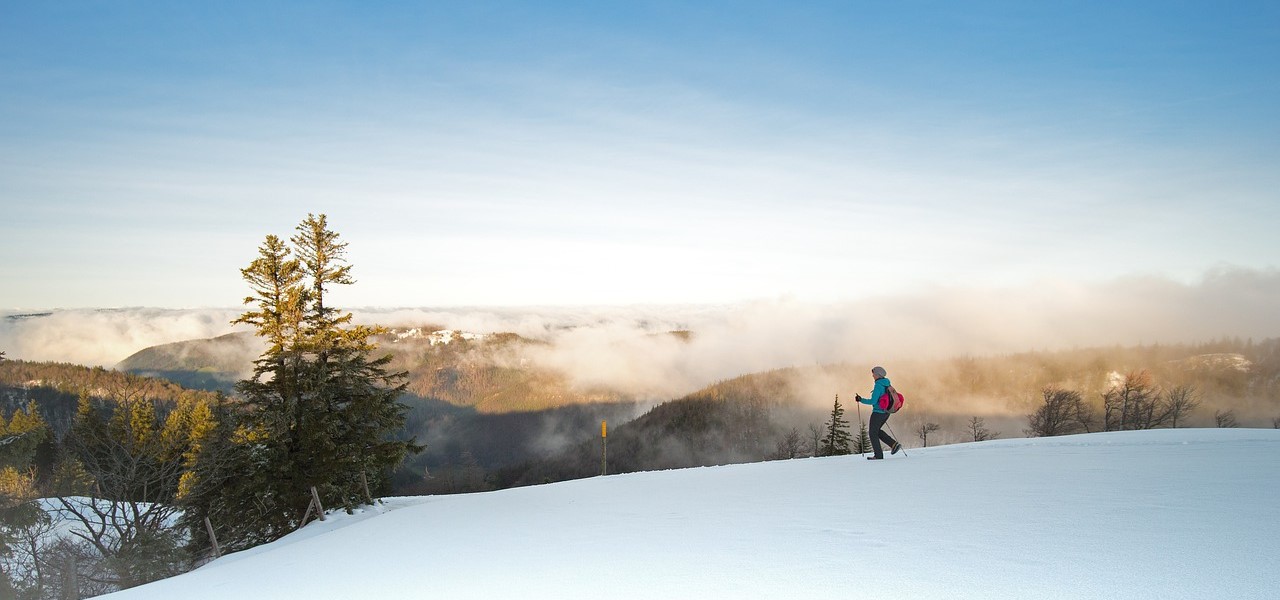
(860, 426)
(895, 436)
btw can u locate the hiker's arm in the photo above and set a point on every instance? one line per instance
(876, 392)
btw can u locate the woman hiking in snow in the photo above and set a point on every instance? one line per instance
(879, 416)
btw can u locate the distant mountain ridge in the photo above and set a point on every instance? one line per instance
(482, 371)
(230, 353)
(210, 364)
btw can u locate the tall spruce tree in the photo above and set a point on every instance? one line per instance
(836, 440)
(320, 409)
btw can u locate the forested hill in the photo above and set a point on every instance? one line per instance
(57, 387)
(735, 421)
(480, 371)
(208, 364)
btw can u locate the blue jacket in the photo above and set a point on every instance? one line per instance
(882, 385)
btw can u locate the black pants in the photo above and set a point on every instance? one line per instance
(878, 419)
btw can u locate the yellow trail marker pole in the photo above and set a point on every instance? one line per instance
(604, 447)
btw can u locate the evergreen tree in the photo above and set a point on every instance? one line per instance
(19, 438)
(321, 409)
(228, 485)
(862, 443)
(836, 440)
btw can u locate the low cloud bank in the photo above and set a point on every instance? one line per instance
(625, 348)
(629, 349)
(104, 337)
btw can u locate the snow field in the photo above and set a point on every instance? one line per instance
(1155, 514)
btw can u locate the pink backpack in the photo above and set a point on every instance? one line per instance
(891, 401)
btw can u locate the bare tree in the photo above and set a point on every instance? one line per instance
(1084, 414)
(124, 501)
(1134, 404)
(979, 431)
(1179, 402)
(925, 429)
(1275, 423)
(791, 446)
(1225, 418)
(32, 553)
(1061, 413)
(815, 434)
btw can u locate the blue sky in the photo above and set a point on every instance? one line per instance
(550, 153)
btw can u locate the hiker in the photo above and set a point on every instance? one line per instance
(879, 416)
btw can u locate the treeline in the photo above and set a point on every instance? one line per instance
(1243, 372)
(56, 387)
(1135, 402)
(774, 415)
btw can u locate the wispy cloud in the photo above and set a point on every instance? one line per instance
(104, 337)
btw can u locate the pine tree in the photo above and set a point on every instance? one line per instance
(836, 441)
(321, 409)
(862, 443)
(357, 392)
(22, 436)
(19, 438)
(19, 509)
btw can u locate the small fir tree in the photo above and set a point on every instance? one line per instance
(862, 443)
(836, 441)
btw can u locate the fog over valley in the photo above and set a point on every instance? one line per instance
(625, 349)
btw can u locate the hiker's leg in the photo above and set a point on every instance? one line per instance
(878, 421)
(884, 435)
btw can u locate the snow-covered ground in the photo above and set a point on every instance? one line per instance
(1155, 514)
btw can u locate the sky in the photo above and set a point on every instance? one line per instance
(1159, 514)
(586, 153)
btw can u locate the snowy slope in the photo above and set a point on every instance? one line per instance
(1155, 514)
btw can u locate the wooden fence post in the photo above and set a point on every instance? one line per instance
(313, 505)
(315, 497)
(70, 580)
(217, 552)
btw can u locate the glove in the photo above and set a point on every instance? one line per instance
(857, 397)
